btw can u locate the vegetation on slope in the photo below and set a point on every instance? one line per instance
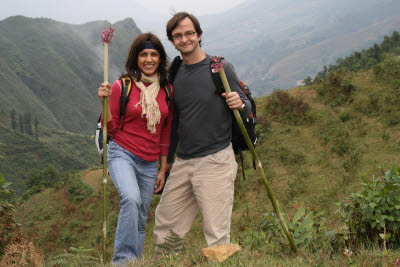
(52, 69)
(21, 153)
(319, 144)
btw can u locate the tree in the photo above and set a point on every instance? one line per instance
(21, 123)
(308, 81)
(36, 124)
(13, 119)
(377, 53)
(396, 37)
(28, 124)
(387, 43)
(38, 179)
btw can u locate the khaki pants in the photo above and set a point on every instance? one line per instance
(205, 184)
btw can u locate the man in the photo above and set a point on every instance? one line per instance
(202, 177)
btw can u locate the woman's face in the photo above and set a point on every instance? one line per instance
(148, 61)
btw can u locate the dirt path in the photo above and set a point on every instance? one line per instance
(93, 178)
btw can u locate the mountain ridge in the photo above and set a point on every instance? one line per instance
(59, 66)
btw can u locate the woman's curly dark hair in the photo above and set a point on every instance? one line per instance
(131, 65)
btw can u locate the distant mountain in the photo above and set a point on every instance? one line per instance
(52, 69)
(275, 43)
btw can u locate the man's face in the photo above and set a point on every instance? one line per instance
(182, 40)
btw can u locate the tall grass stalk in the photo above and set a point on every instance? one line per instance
(105, 105)
(107, 40)
(259, 165)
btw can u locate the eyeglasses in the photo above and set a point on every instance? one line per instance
(179, 36)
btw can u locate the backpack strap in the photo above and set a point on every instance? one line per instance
(168, 93)
(173, 69)
(241, 161)
(217, 80)
(126, 88)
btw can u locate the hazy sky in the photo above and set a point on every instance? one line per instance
(81, 11)
(200, 7)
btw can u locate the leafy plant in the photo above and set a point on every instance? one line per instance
(375, 208)
(173, 244)
(335, 89)
(76, 257)
(286, 108)
(78, 190)
(22, 254)
(389, 71)
(263, 129)
(298, 184)
(307, 228)
(7, 225)
(5, 192)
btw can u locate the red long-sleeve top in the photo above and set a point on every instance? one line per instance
(135, 137)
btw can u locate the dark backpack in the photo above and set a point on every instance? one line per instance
(125, 93)
(238, 142)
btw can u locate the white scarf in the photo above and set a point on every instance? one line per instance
(148, 100)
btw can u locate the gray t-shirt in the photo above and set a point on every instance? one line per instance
(202, 119)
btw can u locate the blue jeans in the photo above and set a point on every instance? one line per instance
(134, 179)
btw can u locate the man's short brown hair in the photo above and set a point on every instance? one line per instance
(177, 18)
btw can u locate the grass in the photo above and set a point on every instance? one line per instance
(302, 166)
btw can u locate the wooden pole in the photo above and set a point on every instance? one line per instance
(271, 196)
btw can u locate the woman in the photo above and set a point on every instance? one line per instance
(133, 153)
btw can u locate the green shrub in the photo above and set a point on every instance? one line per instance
(263, 129)
(285, 108)
(5, 192)
(375, 209)
(345, 116)
(389, 71)
(78, 190)
(335, 89)
(308, 229)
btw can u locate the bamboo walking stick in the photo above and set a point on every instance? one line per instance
(106, 38)
(218, 66)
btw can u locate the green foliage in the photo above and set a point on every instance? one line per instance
(8, 226)
(40, 179)
(335, 89)
(338, 135)
(366, 59)
(297, 185)
(287, 109)
(263, 129)
(76, 257)
(78, 190)
(307, 229)
(13, 117)
(340, 138)
(5, 192)
(291, 157)
(308, 81)
(20, 153)
(389, 71)
(375, 207)
(173, 244)
(37, 73)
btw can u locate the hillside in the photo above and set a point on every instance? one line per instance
(273, 44)
(315, 150)
(52, 69)
(21, 152)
